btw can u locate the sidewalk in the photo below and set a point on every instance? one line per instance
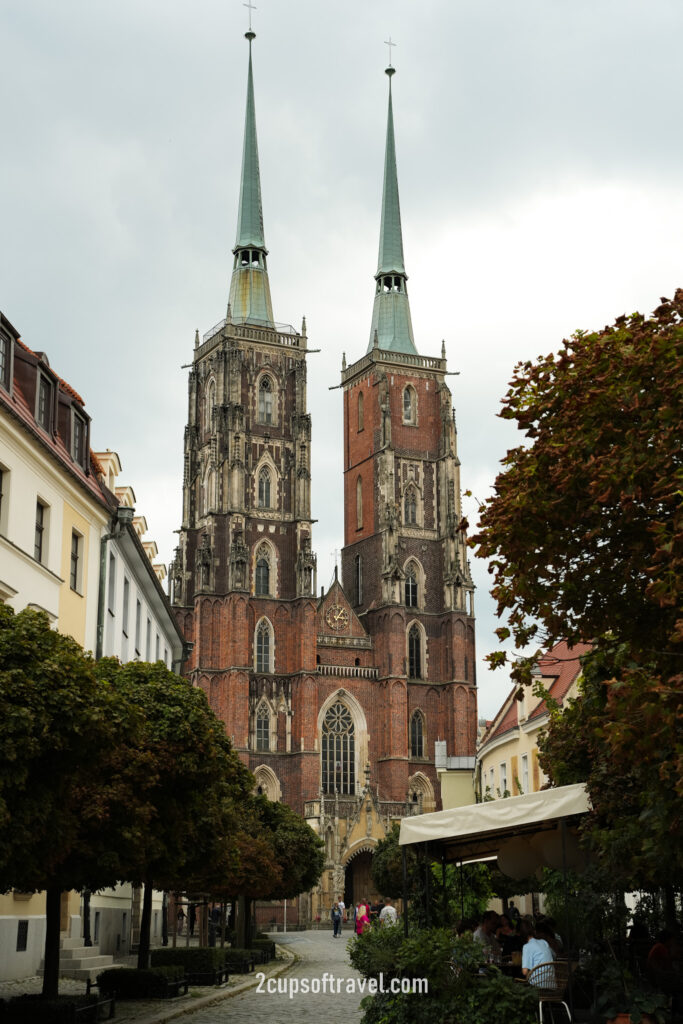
(158, 1011)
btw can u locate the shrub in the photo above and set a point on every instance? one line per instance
(195, 960)
(131, 983)
(266, 945)
(33, 1009)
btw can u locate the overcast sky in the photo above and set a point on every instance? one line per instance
(539, 156)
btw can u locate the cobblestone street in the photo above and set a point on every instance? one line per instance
(319, 954)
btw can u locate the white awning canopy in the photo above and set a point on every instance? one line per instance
(479, 830)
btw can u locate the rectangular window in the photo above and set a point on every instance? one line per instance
(78, 439)
(75, 572)
(43, 403)
(492, 781)
(4, 499)
(96, 929)
(148, 641)
(166, 656)
(40, 547)
(22, 936)
(503, 778)
(525, 773)
(126, 601)
(138, 627)
(157, 649)
(5, 360)
(111, 599)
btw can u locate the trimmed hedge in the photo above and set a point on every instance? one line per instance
(33, 1009)
(130, 983)
(195, 960)
(266, 946)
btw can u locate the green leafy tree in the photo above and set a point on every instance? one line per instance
(585, 537)
(60, 802)
(585, 529)
(189, 785)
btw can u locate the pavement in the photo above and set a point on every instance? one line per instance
(310, 980)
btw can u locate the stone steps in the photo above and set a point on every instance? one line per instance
(81, 962)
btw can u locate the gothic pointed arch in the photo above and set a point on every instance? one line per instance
(359, 503)
(343, 742)
(413, 505)
(409, 405)
(267, 783)
(266, 483)
(264, 569)
(267, 393)
(262, 725)
(421, 792)
(264, 646)
(361, 411)
(209, 403)
(417, 734)
(416, 650)
(413, 583)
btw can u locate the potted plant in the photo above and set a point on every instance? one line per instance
(623, 1000)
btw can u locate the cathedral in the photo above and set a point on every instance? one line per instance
(337, 700)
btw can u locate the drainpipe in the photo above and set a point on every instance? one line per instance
(123, 516)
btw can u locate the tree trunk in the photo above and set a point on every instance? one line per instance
(145, 925)
(242, 922)
(52, 918)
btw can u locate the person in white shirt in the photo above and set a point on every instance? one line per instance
(388, 913)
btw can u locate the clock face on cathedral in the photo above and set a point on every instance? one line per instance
(337, 617)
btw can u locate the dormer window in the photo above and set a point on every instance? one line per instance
(78, 436)
(5, 361)
(44, 402)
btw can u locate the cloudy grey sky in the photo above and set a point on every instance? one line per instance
(539, 158)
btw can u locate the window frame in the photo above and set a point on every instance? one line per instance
(43, 415)
(264, 644)
(264, 488)
(338, 750)
(6, 360)
(262, 736)
(417, 740)
(416, 654)
(265, 400)
(76, 562)
(409, 409)
(41, 530)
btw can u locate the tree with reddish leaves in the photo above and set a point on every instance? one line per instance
(585, 539)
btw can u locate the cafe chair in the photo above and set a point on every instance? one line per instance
(551, 981)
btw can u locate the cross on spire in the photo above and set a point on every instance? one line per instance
(388, 42)
(252, 7)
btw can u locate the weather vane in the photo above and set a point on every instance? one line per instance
(388, 42)
(252, 7)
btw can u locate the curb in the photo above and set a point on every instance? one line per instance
(219, 996)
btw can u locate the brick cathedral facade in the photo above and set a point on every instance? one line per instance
(334, 700)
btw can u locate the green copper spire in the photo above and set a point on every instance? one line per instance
(249, 288)
(391, 312)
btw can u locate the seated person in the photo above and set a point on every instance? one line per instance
(486, 934)
(508, 937)
(535, 950)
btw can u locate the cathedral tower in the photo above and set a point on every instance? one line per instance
(404, 561)
(244, 574)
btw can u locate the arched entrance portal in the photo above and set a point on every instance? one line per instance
(358, 882)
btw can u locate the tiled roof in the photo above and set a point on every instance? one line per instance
(16, 405)
(506, 719)
(562, 663)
